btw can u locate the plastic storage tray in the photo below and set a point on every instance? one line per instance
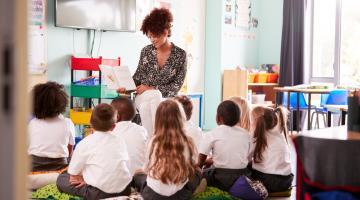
(97, 91)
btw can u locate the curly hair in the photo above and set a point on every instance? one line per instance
(157, 22)
(171, 151)
(49, 100)
(186, 103)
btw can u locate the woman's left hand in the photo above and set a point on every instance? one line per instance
(142, 88)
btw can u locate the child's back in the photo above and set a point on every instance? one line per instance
(51, 135)
(191, 129)
(102, 162)
(135, 136)
(99, 166)
(276, 155)
(171, 170)
(229, 145)
(270, 146)
(194, 132)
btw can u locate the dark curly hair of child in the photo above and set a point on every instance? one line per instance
(49, 100)
(157, 22)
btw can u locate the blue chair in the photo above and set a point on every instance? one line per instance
(335, 97)
(303, 105)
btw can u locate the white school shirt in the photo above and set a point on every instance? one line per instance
(194, 132)
(276, 156)
(136, 138)
(230, 147)
(102, 159)
(50, 137)
(160, 187)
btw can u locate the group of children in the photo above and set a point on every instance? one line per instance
(168, 165)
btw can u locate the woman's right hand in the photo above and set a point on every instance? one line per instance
(121, 90)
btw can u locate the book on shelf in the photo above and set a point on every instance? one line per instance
(116, 77)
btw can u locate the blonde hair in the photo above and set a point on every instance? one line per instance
(167, 160)
(244, 121)
(265, 119)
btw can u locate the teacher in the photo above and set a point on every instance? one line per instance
(162, 66)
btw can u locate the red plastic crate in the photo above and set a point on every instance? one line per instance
(272, 78)
(111, 62)
(85, 63)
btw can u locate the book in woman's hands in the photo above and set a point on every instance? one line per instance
(117, 77)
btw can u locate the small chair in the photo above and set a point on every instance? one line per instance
(335, 97)
(303, 105)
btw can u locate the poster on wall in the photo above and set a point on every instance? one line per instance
(228, 13)
(242, 13)
(37, 46)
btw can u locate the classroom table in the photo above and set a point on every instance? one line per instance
(299, 90)
(327, 159)
(342, 109)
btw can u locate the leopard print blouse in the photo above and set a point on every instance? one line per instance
(167, 80)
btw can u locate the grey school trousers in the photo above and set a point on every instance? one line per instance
(88, 192)
(223, 178)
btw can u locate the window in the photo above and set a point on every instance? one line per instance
(334, 48)
(350, 42)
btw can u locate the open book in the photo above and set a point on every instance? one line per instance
(117, 77)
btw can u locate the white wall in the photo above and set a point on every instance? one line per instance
(187, 19)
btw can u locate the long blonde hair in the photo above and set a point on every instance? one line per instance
(265, 119)
(167, 160)
(244, 121)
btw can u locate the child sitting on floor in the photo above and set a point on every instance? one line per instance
(171, 170)
(99, 166)
(229, 145)
(51, 135)
(135, 136)
(244, 121)
(191, 129)
(271, 153)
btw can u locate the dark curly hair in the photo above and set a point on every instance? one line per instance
(49, 100)
(157, 22)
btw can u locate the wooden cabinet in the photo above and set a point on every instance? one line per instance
(235, 83)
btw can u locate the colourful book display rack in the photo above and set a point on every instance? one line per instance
(88, 88)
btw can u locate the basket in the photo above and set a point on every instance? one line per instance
(262, 77)
(272, 78)
(251, 77)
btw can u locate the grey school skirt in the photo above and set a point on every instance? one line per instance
(47, 164)
(147, 193)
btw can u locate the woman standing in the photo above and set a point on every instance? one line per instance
(162, 66)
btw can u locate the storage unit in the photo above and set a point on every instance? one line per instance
(237, 82)
(93, 90)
